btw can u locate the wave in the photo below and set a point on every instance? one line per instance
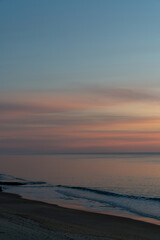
(93, 198)
(139, 205)
(38, 183)
(6, 179)
(106, 193)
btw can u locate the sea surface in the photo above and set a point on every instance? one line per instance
(125, 184)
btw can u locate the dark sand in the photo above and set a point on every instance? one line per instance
(18, 216)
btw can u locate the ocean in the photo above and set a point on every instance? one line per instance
(122, 184)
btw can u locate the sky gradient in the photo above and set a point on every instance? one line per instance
(79, 76)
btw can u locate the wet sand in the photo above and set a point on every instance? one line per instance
(24, 219)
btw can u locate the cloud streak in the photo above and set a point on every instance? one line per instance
(79, 120)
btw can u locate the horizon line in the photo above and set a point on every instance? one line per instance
(71, 153)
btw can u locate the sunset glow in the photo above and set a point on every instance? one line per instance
(79, 77)
(80, 121)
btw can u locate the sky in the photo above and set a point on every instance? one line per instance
(79, 76)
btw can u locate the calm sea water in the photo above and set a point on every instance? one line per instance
(118, 183)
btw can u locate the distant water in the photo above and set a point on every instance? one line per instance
(127, 184)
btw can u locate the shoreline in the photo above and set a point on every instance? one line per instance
(116, 214)
(58, 219)
(83, 208)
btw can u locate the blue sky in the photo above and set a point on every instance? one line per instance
(51, 44)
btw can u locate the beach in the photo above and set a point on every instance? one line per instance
(29, 219)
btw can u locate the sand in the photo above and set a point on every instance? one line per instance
(22, 219)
